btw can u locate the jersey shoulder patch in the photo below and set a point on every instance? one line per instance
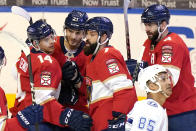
(152, 103)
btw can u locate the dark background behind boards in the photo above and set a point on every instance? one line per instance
(172, 4)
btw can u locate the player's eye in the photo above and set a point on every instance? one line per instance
(163, 77)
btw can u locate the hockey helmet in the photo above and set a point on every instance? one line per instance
(150, 73)
(76, 20)
(39, 30)
(102, 25)
(155, 13)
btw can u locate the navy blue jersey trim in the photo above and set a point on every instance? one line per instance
(62, 45)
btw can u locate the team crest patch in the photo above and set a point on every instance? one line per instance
(45, 78)
(166, 58)
(112, 66)
(167, 52)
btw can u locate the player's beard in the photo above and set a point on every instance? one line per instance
(89, 48)
(154, 35)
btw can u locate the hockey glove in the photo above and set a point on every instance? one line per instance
(70, 71)
(77, 120)
(68, 94)
(30, 115)
(134, 67)
(117, 123)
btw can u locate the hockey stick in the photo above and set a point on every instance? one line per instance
(125, 8)
(1, 28)
(135, 73)
(43, 14)
(139, 61)
(22, 12)
(11, 38)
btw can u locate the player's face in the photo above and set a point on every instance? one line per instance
(47, 44)
(74, 37)
(91, 42)
(165, 82)
(151, 30)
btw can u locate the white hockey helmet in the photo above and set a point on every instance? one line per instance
(150, 73)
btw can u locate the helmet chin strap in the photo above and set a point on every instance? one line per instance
(37, 43)
(159, 31)
(99, 44)
(159, 90)
(38, 48)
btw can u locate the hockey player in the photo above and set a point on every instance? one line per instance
(24, 118)
(168, 49)
(149, 115)
(69, 47)
(108, 81)
(47, 76)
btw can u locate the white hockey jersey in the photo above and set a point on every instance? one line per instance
(147, 115)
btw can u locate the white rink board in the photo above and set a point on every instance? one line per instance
(18, 25)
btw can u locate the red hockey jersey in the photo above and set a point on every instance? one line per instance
(62, 55)
(172, 52)
(47, 76)
(5, 123)
(109, 85)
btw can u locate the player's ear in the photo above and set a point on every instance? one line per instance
(163, 25)
(35, 43)
(103, 37)
(152, 86)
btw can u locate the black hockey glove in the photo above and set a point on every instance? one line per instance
(30, 115)
(68, 94)
(134, 67)
(77, 120)
(117, 123)
(70, 71)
